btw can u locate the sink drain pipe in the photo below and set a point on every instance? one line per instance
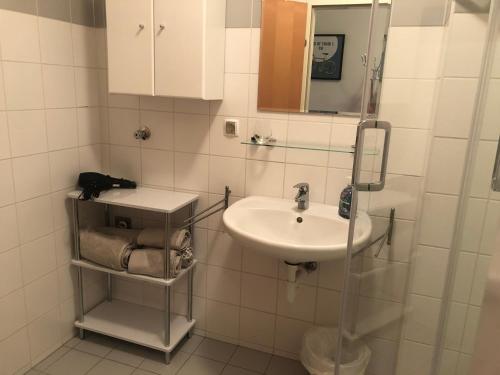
(294, 270)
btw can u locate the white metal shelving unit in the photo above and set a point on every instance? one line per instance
(156, 329)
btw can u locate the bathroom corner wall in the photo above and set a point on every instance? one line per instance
(49, 131)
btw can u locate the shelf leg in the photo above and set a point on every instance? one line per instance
(167, 358)
(167, 276)
(81, 308)
(167, 246)
(76, 250)
(190, 274)
(190, 295)
(190, 333)
(81, 333)
(110, 288)
(107, 222)
(167, 316)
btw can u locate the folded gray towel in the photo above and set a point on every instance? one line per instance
(128, 234)
(106, 250)
(151, 262)
(155, 237)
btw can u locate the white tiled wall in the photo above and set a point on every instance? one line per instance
(455, 104)
(47, 135)
(480, 223)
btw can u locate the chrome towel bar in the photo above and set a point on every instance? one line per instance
(196, 218)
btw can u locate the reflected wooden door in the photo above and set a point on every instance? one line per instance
(282, 48)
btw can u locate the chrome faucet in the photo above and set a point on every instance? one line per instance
(302, 197)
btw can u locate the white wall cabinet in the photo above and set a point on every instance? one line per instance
(166, 47)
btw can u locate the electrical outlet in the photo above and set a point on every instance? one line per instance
(231, 128)
(123, 222)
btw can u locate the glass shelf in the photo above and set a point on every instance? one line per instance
(333, 148)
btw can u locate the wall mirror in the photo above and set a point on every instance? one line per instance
(313, 55)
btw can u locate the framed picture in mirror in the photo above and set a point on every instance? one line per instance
(328, 55)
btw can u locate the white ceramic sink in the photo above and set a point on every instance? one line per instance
(276, 227)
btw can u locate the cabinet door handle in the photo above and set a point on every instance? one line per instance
(141, 26)
(162, 27)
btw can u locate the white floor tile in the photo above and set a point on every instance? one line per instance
(129, 354)
(97, 345)
(106, 367)
(72, 342)
(123, 358)
(191, 344)
(74, 363)
(51, 359)
(280, 366)
(142, 372)
(201, 366)
(251, 359)
(156, 363)
(231, 370)
(217, 350)
(33, 372)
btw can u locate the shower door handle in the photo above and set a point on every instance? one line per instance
(495, 181)
(386, 127)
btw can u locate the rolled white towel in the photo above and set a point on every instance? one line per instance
(151, 262)
(155, 237)
(180, 239)
(108, 251)
(128, 234)
(187, 257)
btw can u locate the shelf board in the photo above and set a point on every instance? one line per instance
(135, 323)
(153, 280)
(327, 148)
(143, 198)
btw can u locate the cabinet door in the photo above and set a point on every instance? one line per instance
(179, 47)
(130, 46)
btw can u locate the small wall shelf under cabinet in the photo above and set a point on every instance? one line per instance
(157, 329)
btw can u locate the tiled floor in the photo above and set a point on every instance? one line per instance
(99, 355)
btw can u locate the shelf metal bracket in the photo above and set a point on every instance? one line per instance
(207, 212)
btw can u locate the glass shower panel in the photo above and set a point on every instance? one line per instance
(370, 320)
(480, 224)
(380, 297)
